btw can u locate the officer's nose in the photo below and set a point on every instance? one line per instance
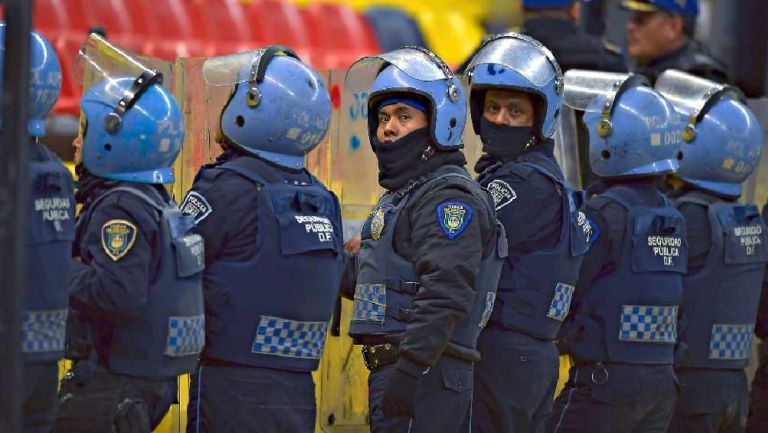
(390, 128)
(502, 117)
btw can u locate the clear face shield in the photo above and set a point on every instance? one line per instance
(693, 96)
(416, 62)
(519, 53)
(597, 92)
(99, 60)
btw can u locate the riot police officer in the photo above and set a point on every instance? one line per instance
(758, 397)
(273, 248)
(431, 252)
(660, 36)
(623, 328)
(727, 250)
(516, 91)
(49, 244)
(136, 288)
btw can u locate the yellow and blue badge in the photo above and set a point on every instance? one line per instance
(117, 238)
(377, 223)
(453, 217)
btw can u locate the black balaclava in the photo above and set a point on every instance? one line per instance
(410, 158)
(502, 143)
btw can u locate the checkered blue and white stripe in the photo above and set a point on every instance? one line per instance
(648, 323)
(186, 335)
(561, 302)
(289, 338)
(43, 331)
(731, 341)
(370, 302)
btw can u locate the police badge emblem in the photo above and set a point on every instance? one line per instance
(117, 238)
(453, 217)
(377, 223)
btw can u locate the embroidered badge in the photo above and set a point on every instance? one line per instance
(453, 217)
(117, 238)
(196, 206)
(502, 193)
(377, 223)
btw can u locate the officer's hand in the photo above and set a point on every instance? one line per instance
(352, 246)
(400, 395)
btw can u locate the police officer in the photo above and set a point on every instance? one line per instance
(273, 248)
(49, 244)
(728, 250)
(758, 398)
(660, 36)
(623, 327)
(136, 289)
(431, 252)
(516, 93)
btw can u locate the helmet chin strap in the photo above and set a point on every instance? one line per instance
(113, 121)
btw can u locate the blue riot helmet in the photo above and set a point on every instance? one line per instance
(633, 130)
(413, 70)
(134, 127)
(682, 7)
(44, 80)
(722, 140)
(517, 62)
(279, 108)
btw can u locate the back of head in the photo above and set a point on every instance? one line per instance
(722, 139)
(44, 80)
(280, 108)
(633, 130)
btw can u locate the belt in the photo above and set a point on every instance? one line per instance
(380, 355)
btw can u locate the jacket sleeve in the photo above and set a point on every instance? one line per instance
(225, 208)
(105, 279)
(446, 266)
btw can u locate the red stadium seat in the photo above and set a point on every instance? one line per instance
(223, 23)
(172, 32)
(280, 23)
(341, 33)
(114, 18)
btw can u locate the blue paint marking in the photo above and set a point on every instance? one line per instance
(354, 142)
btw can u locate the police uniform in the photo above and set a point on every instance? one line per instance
(282, 228)
(51, 232)
(623, 341)
(758, 398)
(133, 257)
(136, 286)
(274, 248)
(533, 297)
(623, 327)
(436, 230)
(719, 315)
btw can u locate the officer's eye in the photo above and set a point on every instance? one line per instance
(404, 117)
(492, 108)
(383, 118)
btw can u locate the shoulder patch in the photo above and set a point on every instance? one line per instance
(453, 217)
(502, 193)
(117, 238)
(196, 206)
